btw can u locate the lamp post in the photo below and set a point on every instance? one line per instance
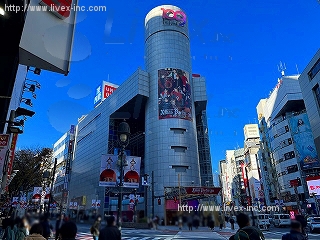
(45, 176)
(123, 133)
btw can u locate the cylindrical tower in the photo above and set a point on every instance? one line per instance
(171, 141)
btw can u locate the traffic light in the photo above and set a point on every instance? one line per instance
(159, 201)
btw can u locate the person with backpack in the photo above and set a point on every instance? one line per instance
(246, 232)
(295, 232)
(95, 228)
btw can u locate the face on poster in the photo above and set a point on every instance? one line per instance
(306, 150)
(174, 93)
(108, 171)
(132, 172)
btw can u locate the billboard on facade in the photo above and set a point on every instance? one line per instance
(103, 91)
(108, 171)
(174, 93)
(4, 144)
(313, 185)
(304, 142)
(47, 37)
(132, 172)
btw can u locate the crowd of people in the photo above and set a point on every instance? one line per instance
(26, 228)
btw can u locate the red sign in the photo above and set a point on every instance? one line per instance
(294, 183)
(108, 90)
(11, 155)
(60, 8)
(203, 190)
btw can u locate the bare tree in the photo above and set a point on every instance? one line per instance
(31, 164)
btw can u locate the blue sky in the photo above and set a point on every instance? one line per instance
(236, 45)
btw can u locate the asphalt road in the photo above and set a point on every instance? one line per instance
(174, 233)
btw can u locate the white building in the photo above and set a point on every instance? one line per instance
(287, 131)
(251, 148)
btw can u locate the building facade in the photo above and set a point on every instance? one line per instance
(288, 137)
(165, 107)
(309, 82)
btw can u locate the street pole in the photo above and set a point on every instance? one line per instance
(120, 187)
(152, 184)
(52, 180)
(146, 199)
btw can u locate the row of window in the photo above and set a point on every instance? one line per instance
(281, 131)
(290, 169)
(314, 70)
(286, 156)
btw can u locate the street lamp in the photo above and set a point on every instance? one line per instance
(123, 133)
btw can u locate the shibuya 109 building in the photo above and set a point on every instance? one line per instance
(165, 107)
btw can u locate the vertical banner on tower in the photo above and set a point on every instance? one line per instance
(4, 142)
(132, 172)
(174, 93)
(108, 171)
(11, 156)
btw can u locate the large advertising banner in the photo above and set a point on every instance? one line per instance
(4, 142)
(313, 185)
(108, 171)
(11, 156)
(174, 93)
(37, 191)
(132, 172)
(303, 138)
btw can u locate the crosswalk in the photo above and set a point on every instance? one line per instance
(88, 236)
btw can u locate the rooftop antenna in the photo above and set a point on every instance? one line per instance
(297, 65)
(108, 77)
(281, 68)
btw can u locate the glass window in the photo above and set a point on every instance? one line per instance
(316, 91)
(314, 70)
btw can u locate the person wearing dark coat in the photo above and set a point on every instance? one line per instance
(59, 223)
(110, 232)
(295, 232)
(68, 231)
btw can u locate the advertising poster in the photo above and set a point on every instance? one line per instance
(174, 93)
(314, 187)
(132, 172)
(4, 142)
(304, 142)
(36, 197)
(108, 171)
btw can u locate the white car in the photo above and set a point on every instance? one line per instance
(313, 223)
(263, 221)
(281, 220)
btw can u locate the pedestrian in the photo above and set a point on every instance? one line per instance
(68, 231)
(295, 232)
(232, 223)
(303, 222)
(59, 222)
(95, 228)
(47, 227)
(36, 232)
(220, 219)
(110, 232)
(9, 233)
(20, 231)
(190, 222)
(211, 223)
(246, 232)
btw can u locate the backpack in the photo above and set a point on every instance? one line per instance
(92, 230)
(249, 233)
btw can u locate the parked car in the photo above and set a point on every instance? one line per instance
(313, 223)
(263, 221)
(281, 220)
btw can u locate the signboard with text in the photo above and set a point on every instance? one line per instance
(103, 91)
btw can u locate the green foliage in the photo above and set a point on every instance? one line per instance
(31, 164)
